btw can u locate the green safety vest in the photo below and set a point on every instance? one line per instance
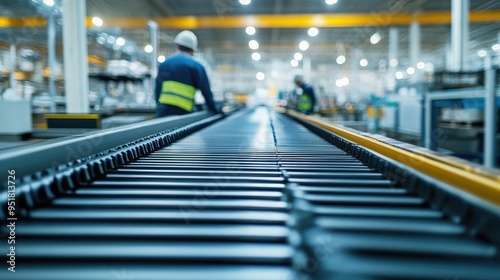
(178, 95)
(305, 103)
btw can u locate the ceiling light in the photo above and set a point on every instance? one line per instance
(294, 63)
(393, 62)
(245, 2)
(49, 3)
(253, 44)
(97, 21)
(345, 81)
(148, 48)
(410, 70)
(313, 31)
(375, 38)
(256, 56)
(260, 76)
(339, 83)
(297, 56)
(399, 75)
(303, 46)
(421, 65)
(341, 59)
(161, 59)
(495, 47)
(363, 62)
(120, 41)
(482, 53)
(429, 67)
(331, 2)
(250, 30)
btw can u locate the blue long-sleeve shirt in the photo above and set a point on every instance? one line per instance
(183, 68)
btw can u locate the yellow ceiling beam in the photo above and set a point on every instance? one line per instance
(271, 21)
(300, 20)
(13, 22)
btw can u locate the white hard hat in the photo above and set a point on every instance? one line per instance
(187, 39)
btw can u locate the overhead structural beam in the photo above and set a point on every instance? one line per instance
(271, 21)
(301, 20)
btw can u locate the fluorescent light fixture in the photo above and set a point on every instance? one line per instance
(331, 2)
(120, 41)
(253, 44)
(341, 59)
(245, 2)
(303, 46)
(375, 38)
(97, 21)
(250, 30)
(313, 32)
(49, 3)
(482, 53)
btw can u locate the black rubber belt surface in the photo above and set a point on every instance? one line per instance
(255, 196)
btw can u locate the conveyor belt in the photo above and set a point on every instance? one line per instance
(255, 196)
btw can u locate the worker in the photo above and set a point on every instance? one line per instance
(307, 99)
(179, 77)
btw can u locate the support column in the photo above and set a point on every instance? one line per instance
(459, 33)
(153, 29)
(76, 68)
(393, 47)
(490, 115)
(51, 56)
(12, 79)
(414, 49)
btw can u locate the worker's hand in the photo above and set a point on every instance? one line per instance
(223, 110)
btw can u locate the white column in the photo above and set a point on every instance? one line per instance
(459, 33)
(76, 68)
(51, 57)
(414, 48)
(393, 46)
(490, 115)
(12, 79)
(153, 29)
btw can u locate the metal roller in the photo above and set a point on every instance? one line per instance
(254, 196)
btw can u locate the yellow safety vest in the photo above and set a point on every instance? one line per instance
(305, 103)
(178, 95)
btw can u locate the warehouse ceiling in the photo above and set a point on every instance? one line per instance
(228, 44)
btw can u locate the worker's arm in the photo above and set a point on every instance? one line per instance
(204, 86)
(158, 83)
